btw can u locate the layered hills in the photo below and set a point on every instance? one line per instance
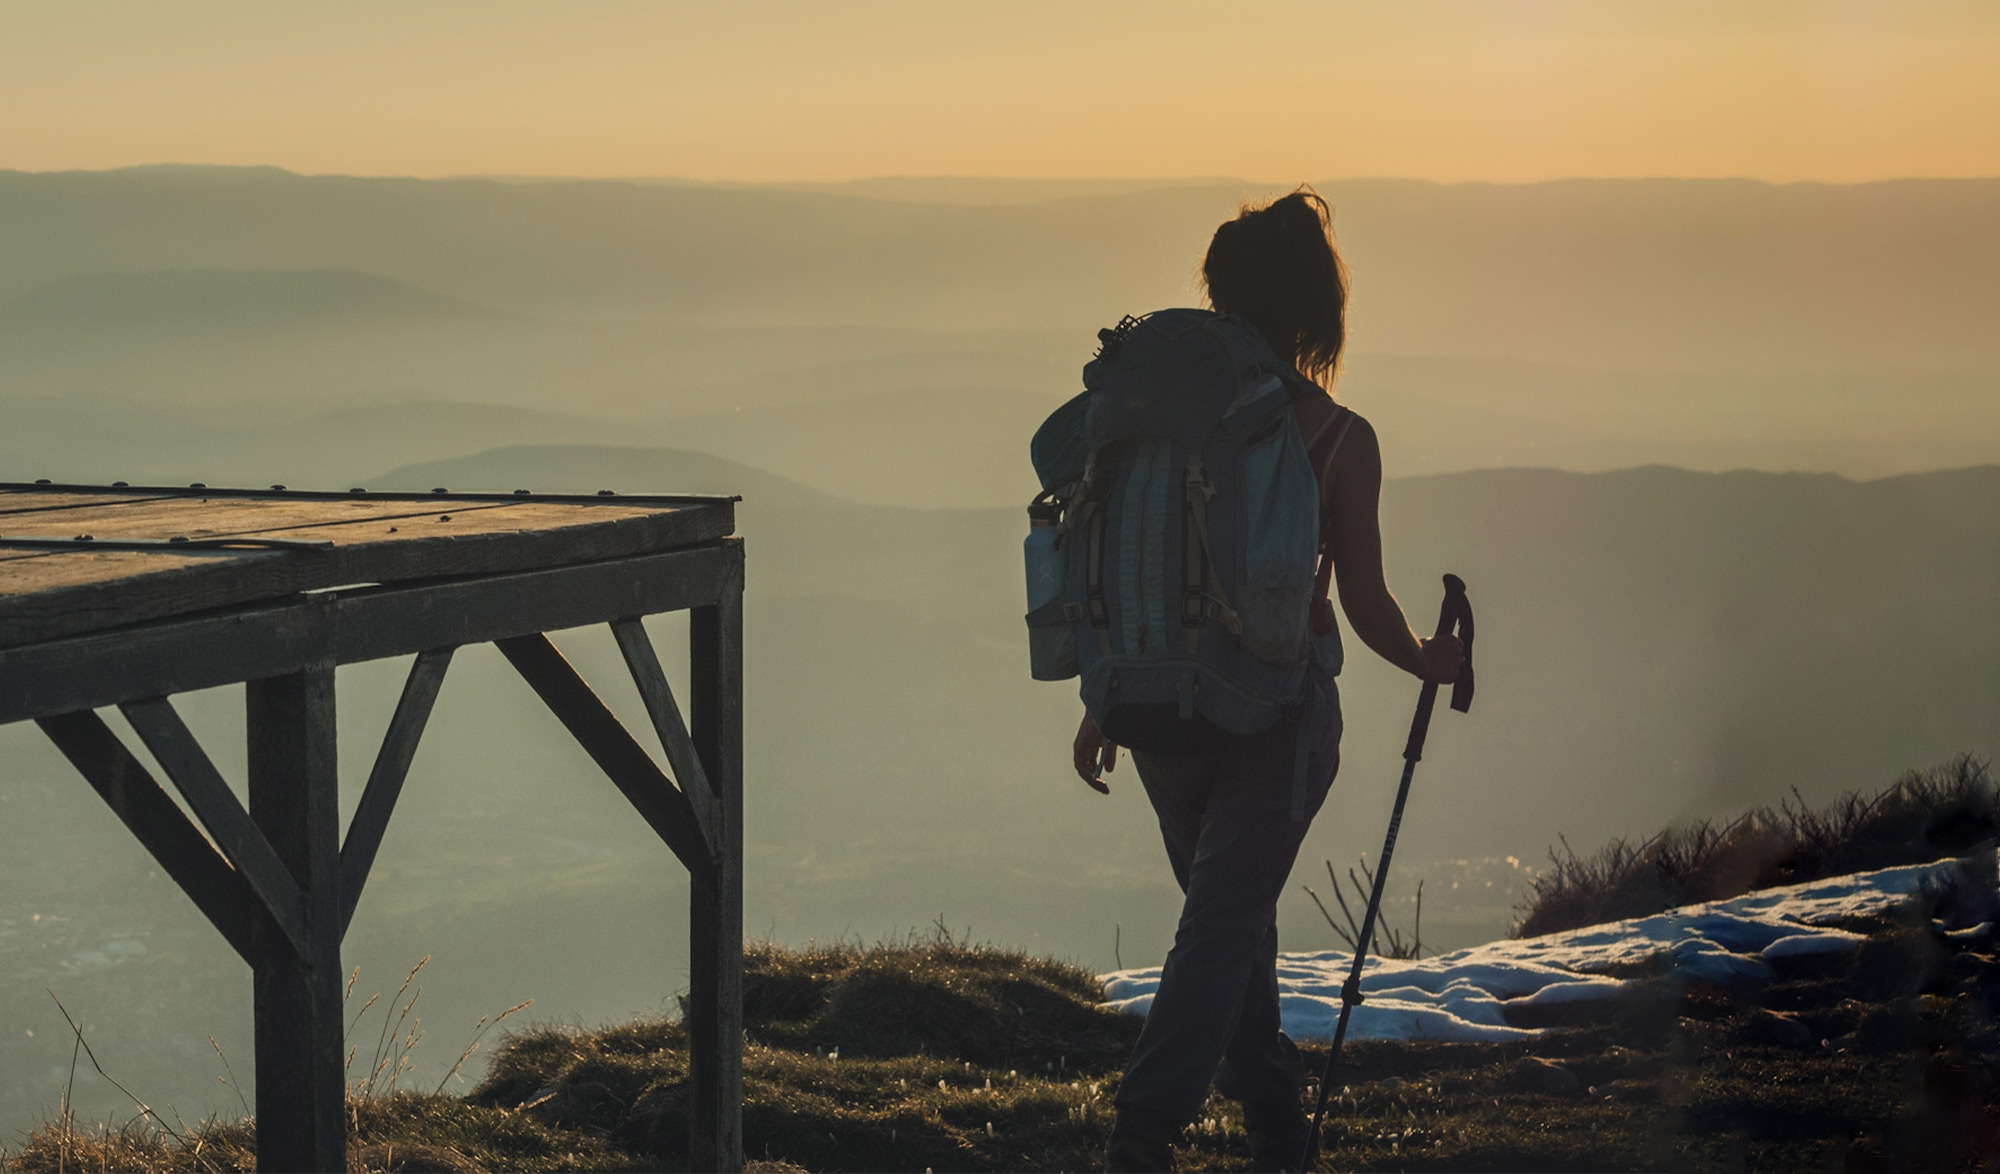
(863, 363)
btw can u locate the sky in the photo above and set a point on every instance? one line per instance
(1515, 91)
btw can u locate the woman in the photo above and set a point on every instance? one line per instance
(1225, 808)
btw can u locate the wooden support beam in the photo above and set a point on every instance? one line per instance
(392, 621)
(715, 988)
(651, 792)
(182, 851)
(232, 829)
(385, 781)
(651, 679)
(295, 801)
(181, 655)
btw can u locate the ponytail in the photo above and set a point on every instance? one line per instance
(1276, 267)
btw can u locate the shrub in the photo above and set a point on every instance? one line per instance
(1923, 816)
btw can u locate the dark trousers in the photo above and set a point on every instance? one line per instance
(1226, 816)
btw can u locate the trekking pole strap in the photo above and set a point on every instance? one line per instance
(1461, 689)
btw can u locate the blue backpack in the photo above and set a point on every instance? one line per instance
(1174, 557)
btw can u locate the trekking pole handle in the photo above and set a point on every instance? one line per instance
(1454, 604)
(1456, 612)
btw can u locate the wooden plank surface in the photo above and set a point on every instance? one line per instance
(36, 501)
(201, 517)
(59, 595)
(47, 594)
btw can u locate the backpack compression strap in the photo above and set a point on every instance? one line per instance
(1089, 516)
(1202, 599)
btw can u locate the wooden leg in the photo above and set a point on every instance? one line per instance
(715, 995)
(294, 800)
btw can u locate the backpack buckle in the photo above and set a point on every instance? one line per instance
(1194, 608)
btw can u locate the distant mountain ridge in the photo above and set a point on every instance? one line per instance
(1626, 274)
(1585, 325)
(1655, 643)
(588, 468)
(232, 299)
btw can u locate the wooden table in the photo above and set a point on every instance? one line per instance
(127, 595)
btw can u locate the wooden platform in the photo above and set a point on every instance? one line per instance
(124, 596)
(77, 559)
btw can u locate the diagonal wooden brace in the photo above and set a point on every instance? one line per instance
(239, 839)
(667, 723)
(659, 802)
(182, 851)
(385, 781)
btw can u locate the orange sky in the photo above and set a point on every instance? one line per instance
(1508, 91)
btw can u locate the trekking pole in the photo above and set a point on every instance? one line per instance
(1457, 612)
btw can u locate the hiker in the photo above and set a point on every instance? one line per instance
(1212, 658)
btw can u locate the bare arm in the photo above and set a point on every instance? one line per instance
(1355, 542)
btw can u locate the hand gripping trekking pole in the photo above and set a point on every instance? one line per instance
(1457, 613)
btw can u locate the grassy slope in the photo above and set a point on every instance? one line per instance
(966, 1058)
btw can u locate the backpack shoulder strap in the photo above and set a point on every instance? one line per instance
(1322, 446)
(1321, 449)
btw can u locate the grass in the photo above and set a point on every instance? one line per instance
(939, 1055)
(912, 1055)
(1923, 816)
(395, 1131)
(935, 1054)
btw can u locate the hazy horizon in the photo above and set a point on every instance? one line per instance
(1678, 322)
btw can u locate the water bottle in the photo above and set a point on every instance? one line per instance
(1044, 561)
(1051, 635)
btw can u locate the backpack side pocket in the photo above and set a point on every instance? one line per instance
(1052, 640)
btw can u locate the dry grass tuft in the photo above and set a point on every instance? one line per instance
(392, 1132)
(1923, 816)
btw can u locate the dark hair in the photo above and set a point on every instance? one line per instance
(1276, 266)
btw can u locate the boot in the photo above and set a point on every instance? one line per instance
(1141, 1143)
(1278, 1132)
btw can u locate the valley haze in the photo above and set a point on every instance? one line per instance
(1715, 456)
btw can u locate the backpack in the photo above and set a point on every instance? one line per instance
(1174, 559)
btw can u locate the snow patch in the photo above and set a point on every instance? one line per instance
(1462, 996)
